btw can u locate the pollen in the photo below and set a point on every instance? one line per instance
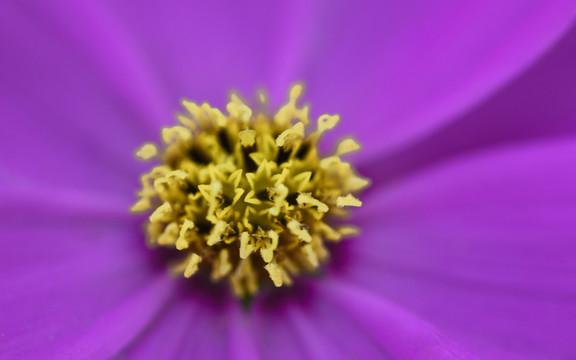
(245, 196)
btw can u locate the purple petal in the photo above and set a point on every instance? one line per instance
(65, 120)
(202, 50)
(165, 336)
(302, 322)
(95, 43)
(309, 332)
(538, 104)
(342, 331)
(275, 337)
(42, 150)
(401, 334)
(482, 247)
(200, 323)
(23, 200)
(206, 337)
(113, 330)
(241, 343)
(57, 278)
(402, 70)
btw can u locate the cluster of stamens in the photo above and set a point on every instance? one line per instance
(245, 195)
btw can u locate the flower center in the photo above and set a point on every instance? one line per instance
(246, 195)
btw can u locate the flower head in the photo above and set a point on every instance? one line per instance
(247, 193)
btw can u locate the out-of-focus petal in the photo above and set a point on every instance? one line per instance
(117, 327)
(58, 278)
(276, 337)
(206, 337)
(328, 319)
(58, 156)
(482, 247)
(74, 96)
(197, 324)
(167, 334)
(192, 326)
(398, 70)
(341, 330)
(24, 200)
(241, 334)
(203, 49)
(309, 332)
(538, 104)
(401, 334)
(84, 41)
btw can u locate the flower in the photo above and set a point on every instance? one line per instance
(466, 115)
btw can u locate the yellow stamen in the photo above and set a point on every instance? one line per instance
(307, 199)
(222, 265)
(289, 135)
(310, 254)
(147, 151)
(348, 200)
(297, 229)
(182, 242)
(162, 214)
(275, 273)
(347, 146)
(141, 205)
(247, 137)
(192, 266)
(245, 247)
(278, 194)
(348, 230)
(216, 234)
(267, 251)
(327, 122)
(246, 194)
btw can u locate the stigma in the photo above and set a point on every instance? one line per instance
(245, 195)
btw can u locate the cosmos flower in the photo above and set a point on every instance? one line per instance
(466, 114)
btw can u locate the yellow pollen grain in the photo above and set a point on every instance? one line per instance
(348, 200)
(296, 92)
(307, 199)
(327, 122)
(262, 97)
(186, 121)
(347, 146)
(245, 194)
(278, 194)
(275, 273)
(141, 205)
(222, 265)
(297, 229)
(170, 234)
(289, 135)
(176, 133)
(245, 247)
(147, 151)
(267, 251)
(216, 234)
(247, 137)
(192, 265)
(162, 214)
(348, 230)
(187, 227)
(328, 232)
(310, 255)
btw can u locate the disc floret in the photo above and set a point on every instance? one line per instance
(246, 194)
